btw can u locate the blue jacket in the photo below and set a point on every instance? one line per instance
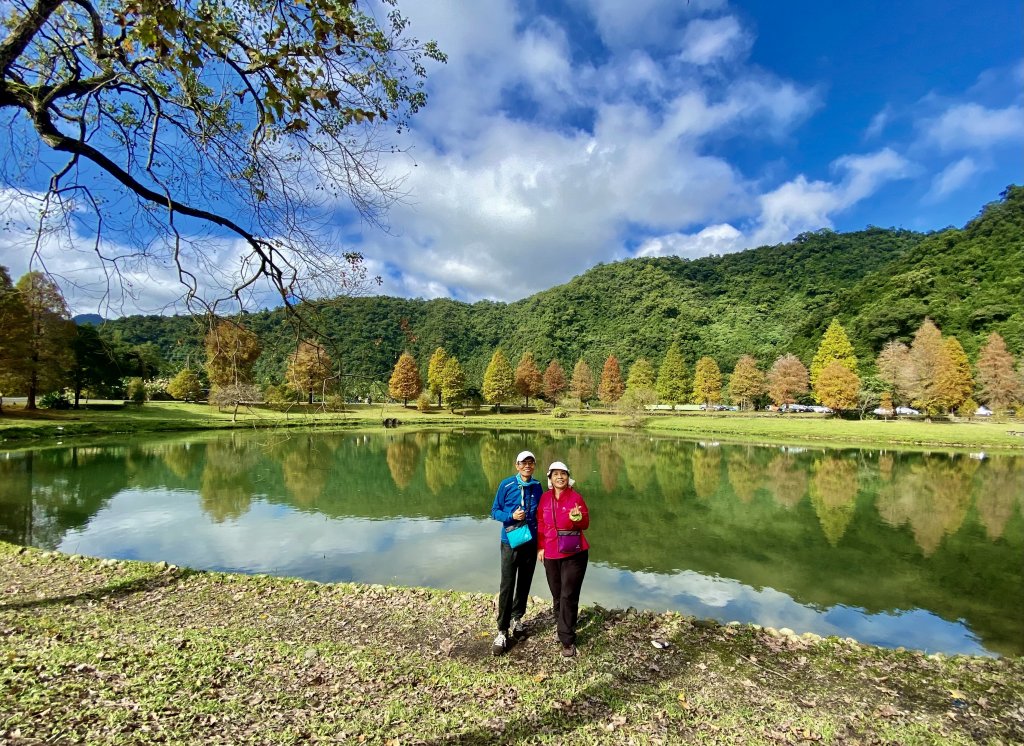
(510, 493)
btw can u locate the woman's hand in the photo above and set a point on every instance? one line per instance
(576, 515)
(540, 555)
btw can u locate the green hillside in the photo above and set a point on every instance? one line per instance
(880, 283)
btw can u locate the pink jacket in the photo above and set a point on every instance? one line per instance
(547, 529)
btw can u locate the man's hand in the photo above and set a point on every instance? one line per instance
(519, 514)
(540, 555)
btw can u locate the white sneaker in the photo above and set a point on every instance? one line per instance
(518, 629)
(500, 644)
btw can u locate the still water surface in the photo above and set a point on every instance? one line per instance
(894, 548)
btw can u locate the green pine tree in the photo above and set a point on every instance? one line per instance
(435, 373)
(641, 375)
(707, 382)
(671, 385)
(835, 345)
(499, 379)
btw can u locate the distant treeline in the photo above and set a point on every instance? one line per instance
(878, 284)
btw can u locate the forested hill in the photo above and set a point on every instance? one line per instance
(880, 283)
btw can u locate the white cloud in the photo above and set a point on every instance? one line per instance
(878, 123)
(971, 126)
(954, 176)
(797, 206)
(649, 23)
(715, 239)
(708, 41)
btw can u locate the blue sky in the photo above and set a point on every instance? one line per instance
(563, 134)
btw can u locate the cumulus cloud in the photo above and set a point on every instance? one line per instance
(715, 239)
(972, 126)
(794, 207)
(644, 22)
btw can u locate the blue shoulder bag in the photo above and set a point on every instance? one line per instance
(519, 535)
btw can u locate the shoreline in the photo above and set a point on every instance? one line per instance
(132, 652)
(45, 427)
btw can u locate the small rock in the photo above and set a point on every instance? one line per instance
(311, 654)
(787, 632)
(733, 623)
(706, 623)
(772, 632)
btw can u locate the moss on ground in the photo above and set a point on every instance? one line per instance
(102, 651)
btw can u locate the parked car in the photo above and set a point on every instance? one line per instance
(983, 411)
(821, 410)
(906, 410)
(794, 408)
(882, 411)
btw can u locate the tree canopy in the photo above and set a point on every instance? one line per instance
(275, 109)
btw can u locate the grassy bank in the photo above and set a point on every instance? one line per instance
(18, 426)
(98, 651)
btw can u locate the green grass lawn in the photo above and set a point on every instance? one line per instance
(17, 424)
(104, 651)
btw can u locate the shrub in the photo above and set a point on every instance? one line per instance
(55, 400)
(423, 403)
(559, 414)
(136, 390)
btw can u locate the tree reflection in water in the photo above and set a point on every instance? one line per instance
(881, 533)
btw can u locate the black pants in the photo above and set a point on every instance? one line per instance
(517, 566)
(565, 579)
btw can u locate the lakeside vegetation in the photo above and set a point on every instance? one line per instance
(18, 427)
(876, 319)
(129, 652)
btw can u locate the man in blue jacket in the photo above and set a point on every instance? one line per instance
(515, 503)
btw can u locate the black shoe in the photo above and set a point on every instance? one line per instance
(518, 630)
(568, 651)
(500, 644)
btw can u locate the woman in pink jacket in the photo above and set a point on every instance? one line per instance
(561, 518)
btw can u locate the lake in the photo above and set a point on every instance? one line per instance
(919, 549)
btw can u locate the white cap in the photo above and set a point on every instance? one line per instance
(525, 455)
(557, 465)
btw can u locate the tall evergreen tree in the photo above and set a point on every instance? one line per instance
(554, 382)
(92, 364)
(835, 345)
(582, 385)
(50, 335)
(747, 382)
(895, 369)
(15, 332)
(453, 381)
(231, 352)
(499, 380)
(672, 381)
(641, 376)
(435, 373)
(528, 380)
(837, 387)
(405, 383)
(927, 355)
(309, 369)
(1000, 386)
(707, 382)
(954, 383)
(787, 380)
(611, 388)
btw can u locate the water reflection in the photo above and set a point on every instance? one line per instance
(898, 548)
